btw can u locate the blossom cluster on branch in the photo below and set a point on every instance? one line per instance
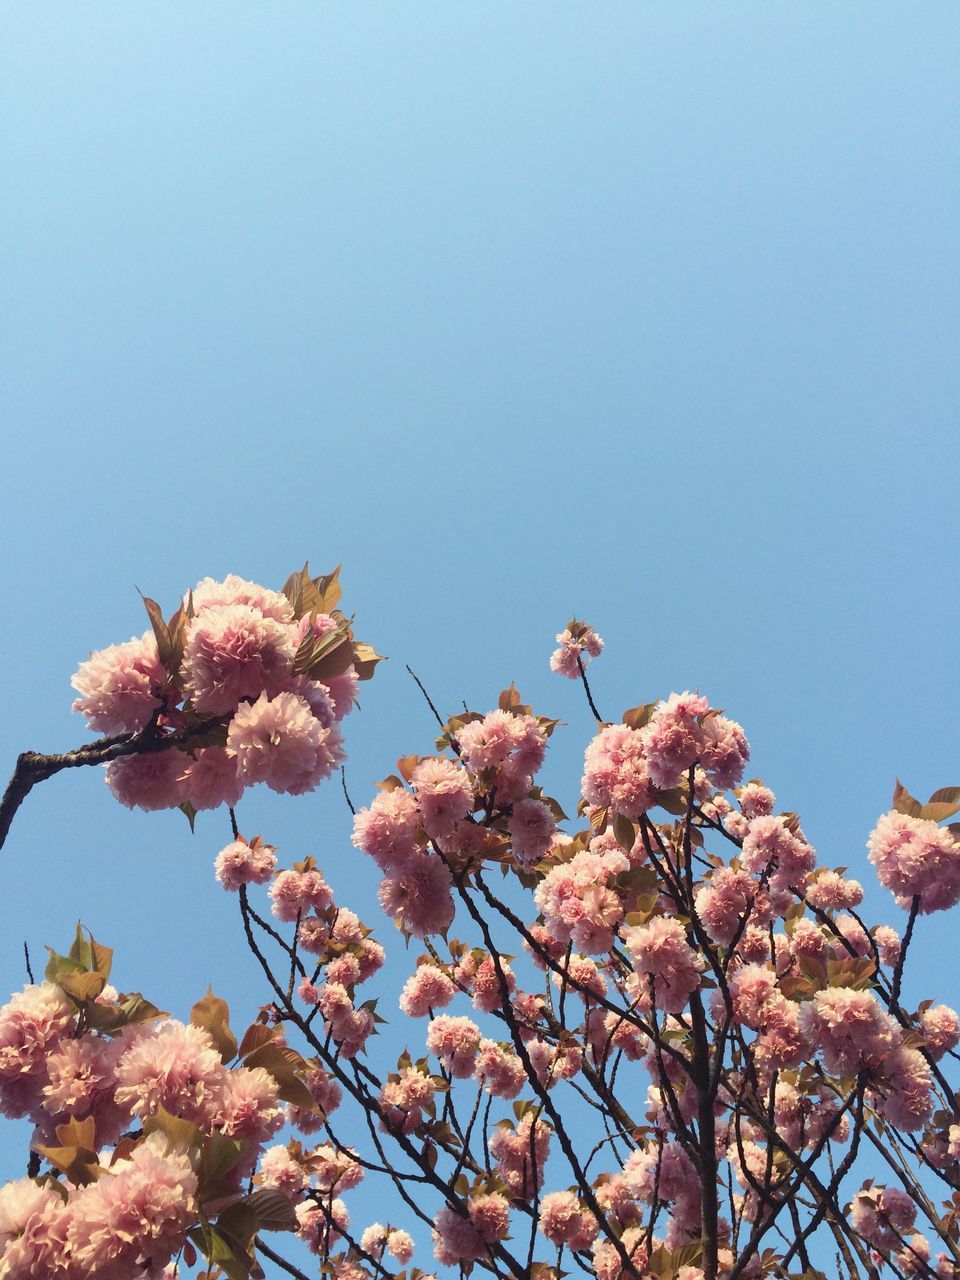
(241, 685)
(659, 1040)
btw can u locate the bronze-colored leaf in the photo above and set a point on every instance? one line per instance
(904, 802)
(213, 1015)
(181, 1133)
(162, 635)
(255, 1037)
(81, 986)
(637, 717)
(365, 660)
(273, 1209)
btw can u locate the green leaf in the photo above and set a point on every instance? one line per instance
(190, 812)
(220, 1155)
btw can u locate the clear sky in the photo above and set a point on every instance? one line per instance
(643, 312)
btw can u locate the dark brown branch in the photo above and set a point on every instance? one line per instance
(33, 766)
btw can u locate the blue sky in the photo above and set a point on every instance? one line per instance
(646, 313)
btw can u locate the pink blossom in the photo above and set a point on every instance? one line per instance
(121, 686)
(315, 695)
(724, 752)
(577, 640)
(456, 1042)
(135, 1215)
(487, 743)
(752, 987)
(674, 738)
(343, 691)
(831, 892)
(511, 745)
(280, 742)
(418, 896)
(429, 988)
(371, 958)
(405, 1098)
(499, 1070)
(208, 594)
(233, 652)
(490, 1215)
(294, 893)
(904, 1096)
(400, 1246)
(149, 781)
(344, 969)
(850, 1027)
(888, 944)
(882, 1215)
(327, 1096)
(532, 827)
(659, 950)
(487, 989)
(387, 830)
(210, 779)
(784, 1040)
(177, 1068)
(19, 1201)
(916, 858)
(771, 847)
(615, 771)
(241, 863)
(320, 1226)
(444, 795)
(82, 1081)
(335, 1170)
(251, 1109)
(564, 1220)
(756, 800)
(723, 902)
(521, 1154)
(455, 1239)
(31, 1027)
(941, 1029)
(313, 934)
(675, 1180)
(279, 1169)
(606, 1257)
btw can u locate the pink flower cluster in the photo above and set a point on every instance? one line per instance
(577, 640)
(624, 767)
(135, 1215)
(394, 831)
(504, 750)
(916, 858)
(133, 1218)
(237, 667)
(579, 904)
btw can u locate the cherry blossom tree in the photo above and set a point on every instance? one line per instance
(656, 1039)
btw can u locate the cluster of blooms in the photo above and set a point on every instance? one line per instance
(248, 684)
(412, 832)
(626, 766)
(753, 977)
(88, 1090)
(344, 953)
(578, 643)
